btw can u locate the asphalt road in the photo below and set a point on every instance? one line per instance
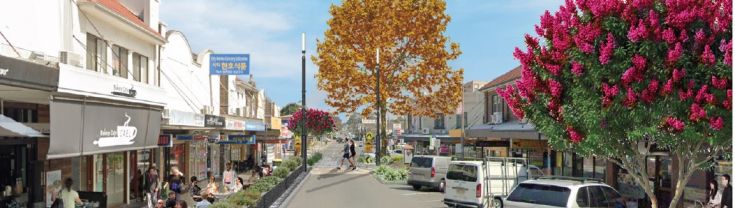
(328, 187)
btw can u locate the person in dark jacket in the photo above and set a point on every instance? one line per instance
(352, 154)
(727, 192)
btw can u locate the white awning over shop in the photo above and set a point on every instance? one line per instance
(12, 128)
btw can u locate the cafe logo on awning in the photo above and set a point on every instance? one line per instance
(120, 90)
(123, 135)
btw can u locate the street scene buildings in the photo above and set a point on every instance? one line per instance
(600, 104)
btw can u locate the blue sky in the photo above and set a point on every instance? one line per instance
(270, 31)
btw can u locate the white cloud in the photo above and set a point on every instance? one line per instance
(229, 26)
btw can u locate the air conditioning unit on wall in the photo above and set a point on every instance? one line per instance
(497, 118)
(71, 58)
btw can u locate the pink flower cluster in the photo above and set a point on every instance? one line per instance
(719, 83)
(574, 135)
(716, 123)
(577, 69)
(727, 102)
(637, 33)
(513, 101)
(696, 112)
(316, 121)
(608, 92)
(649, 93)
(674, 125)
(707, 56)
(556, 88)
(607, 49)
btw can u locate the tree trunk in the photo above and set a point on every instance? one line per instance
(683, 174)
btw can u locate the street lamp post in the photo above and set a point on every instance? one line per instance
(303, 101)
(377, 96)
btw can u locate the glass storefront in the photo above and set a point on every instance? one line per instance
(115, 178)
(198, 161)
(215, 157)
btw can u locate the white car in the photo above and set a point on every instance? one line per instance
(560, 192)
(475, 183)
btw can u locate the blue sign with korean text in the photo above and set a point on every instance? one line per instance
(229, 64)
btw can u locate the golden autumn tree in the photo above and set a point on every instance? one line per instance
(415, 77)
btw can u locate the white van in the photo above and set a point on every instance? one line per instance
(475, 183)
(428, 171)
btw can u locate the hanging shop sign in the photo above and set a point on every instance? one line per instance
(229, 64)
(184, 137)
(214, 121)
(492, 143)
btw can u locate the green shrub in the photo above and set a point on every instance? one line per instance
(251, 198)
(386, 160)
(236, 198)
(388, 174)
(290, 164)
(281, 172)
(314, 158)
(397, 158)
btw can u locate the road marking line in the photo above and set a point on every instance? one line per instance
(412, 194)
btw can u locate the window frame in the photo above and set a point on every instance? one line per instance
(122, 54)
(586, 197)
(96, 52)
(139, 61)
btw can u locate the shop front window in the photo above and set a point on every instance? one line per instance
(600, 168)
(198, 159)
(115, 178)
(589, 167)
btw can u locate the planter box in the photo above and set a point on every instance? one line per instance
(268, 198)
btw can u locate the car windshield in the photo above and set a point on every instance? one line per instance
(540, 194)
(421, 162)
(462, 172)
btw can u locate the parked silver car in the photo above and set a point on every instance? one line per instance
(555, 191)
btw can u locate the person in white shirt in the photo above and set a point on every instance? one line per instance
(238, 185)
(715, 195)
(229, 177)
(69, 196)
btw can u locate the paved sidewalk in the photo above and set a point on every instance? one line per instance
(328, 187)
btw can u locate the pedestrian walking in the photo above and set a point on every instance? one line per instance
(726, 192)
(153, 182)
(176, 182)
(345, 156)
(228, 177)
(352, 154)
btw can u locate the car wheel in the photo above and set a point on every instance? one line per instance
(416, 187)
(442, 186)
(497, 203)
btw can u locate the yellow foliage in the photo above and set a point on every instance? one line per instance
(415, 76)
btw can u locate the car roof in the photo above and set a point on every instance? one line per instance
(431, 156)
(564, 183)
(478, 163)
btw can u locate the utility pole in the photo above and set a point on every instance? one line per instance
(303, 101)
(462, 117)
(377, 95)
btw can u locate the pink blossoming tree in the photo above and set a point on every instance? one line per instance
(317, 123)
(614, 78)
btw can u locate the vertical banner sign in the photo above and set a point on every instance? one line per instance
(229, 64)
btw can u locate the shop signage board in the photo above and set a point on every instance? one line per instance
(492, 143)
(123, 90)
(254, 125)
(184, 137)
(234, 124)
(240, 139)
(229, 64)
(214, 121)
(94, 128)
(165, 140)
(183, 118)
